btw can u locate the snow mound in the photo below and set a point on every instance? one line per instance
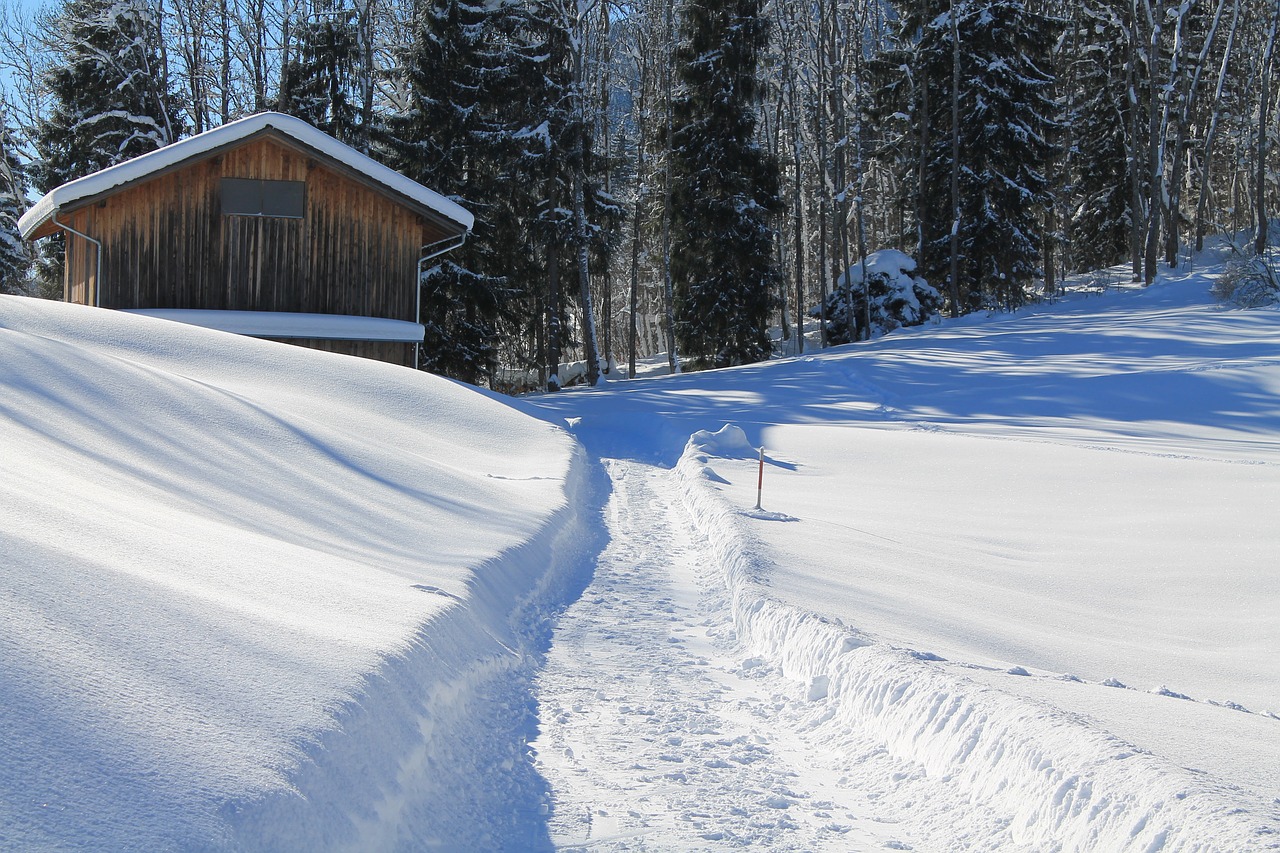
(898, 297)
(891, 263)
(999, 771)
(259, 597)
(728, 442)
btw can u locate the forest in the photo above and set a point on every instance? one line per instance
(704, 179)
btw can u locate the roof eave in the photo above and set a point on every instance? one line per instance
(37, 222)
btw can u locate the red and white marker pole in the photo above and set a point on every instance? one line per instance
(760, 481)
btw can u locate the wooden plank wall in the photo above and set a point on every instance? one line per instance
(394, 353)
(167, 244)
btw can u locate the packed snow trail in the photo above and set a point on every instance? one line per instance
(684, 706)
(654, 735)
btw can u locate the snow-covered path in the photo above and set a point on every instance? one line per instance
(656, 735)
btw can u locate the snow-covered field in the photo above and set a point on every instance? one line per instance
(1012, 586)
(1021, 568)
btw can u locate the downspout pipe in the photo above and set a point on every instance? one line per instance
(97, 270)
(430, 251)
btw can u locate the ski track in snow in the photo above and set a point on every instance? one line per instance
(656, 733)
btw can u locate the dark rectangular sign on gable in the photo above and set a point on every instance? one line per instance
(283, 198)
(252, 197)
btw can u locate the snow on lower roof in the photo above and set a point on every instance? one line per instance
(279, 324)
(171, 155)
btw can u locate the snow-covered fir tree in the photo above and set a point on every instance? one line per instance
(724, 187)
(475, 130)
(109, 93)
(996, 152)
(899, 298)
(1005, 109)
(326, 83)
(109, 97)
(497, 121)
(577, 217)
(1098, 162)
(15, 259)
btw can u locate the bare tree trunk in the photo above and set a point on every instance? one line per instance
(540, 339)
(1264, 107)
(789, 49)
(224, 65)
(1154, 163)
(286, 47)
(798, 243)
(859, 167)
(1138, 220)
(824, 169)
(840, 159)
(643, 68)
(577, 22)
(1207, 157)
(668, 296)
(367, 73)
(635, 258)
(780, 246)
(602, 116)
(554, 332)
(584, 278)
(922, 163)
(1189, 98)
(954, 282)
(258, 55)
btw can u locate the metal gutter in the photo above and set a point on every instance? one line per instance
(97, 270)
(431, 250)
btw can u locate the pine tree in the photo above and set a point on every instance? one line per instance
(474, 130)
(109, 98)
(578, 216)
(1100, 172)
(15, 260)
(996, 150)
(109, 91)
(1004, 118)
(323, 84)
(725, 188)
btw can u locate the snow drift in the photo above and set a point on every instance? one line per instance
(259, 597)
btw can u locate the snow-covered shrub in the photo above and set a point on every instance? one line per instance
(1247, 283)
(898, 298)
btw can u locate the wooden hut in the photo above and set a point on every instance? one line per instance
(264, 226)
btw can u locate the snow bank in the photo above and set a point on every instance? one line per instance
(728, 442)
(998, 771)
(259, 597)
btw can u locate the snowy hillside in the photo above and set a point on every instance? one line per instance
(250, 595)
(1012, 587)
(1020, 568)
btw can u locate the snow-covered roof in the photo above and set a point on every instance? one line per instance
(171, 155)
(280, 324)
